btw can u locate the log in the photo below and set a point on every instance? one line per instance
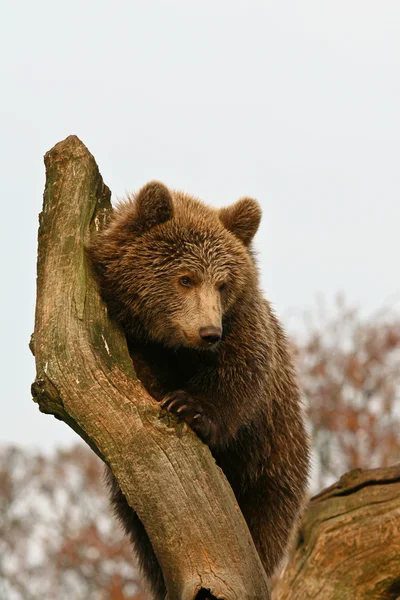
(349, 542)
(85, 377)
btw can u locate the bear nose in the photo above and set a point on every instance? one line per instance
(211, 335)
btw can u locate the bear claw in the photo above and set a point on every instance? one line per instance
(184, 407)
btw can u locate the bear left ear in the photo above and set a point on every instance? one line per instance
(242, 219)
(153, 205)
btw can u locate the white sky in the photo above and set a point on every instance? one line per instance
(294, 102)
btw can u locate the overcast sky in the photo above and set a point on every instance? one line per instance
(294, 103)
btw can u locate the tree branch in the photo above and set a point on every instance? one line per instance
(349, 546)
(85, 377)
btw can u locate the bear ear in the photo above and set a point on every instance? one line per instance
(242, 219)
(153, 205)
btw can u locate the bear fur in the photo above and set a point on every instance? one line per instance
(181, 279)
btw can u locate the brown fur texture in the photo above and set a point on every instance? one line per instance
(172, 270)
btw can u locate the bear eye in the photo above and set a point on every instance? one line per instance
(222, 287)
(186, 281)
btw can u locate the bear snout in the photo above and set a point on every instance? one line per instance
(211, 335)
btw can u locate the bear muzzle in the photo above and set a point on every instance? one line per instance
(211, 335)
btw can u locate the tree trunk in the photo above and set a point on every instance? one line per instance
(85, 377)
(349, 543)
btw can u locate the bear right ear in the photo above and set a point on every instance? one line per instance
(242, 219)
(153, 205)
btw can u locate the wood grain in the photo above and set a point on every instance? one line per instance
(349, 545)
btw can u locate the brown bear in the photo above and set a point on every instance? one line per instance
(181, 279)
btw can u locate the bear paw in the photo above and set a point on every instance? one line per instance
(184, 407)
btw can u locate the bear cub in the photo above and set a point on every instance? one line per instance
(181, 279)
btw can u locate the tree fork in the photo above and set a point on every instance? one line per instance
(85, 377)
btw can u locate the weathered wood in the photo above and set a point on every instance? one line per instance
(85, 377)
(349, 544)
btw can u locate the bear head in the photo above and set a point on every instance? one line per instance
(172, 269)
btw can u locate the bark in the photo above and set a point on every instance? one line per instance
(349, 543)
(85, 377)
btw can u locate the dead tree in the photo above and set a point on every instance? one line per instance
(85, 377)
(349, 542)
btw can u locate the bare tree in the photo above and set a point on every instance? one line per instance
(86, 378)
